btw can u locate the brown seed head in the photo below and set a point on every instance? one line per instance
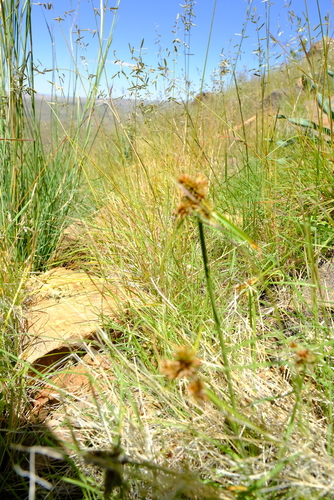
(184, 364)
(198, 187)
(197, 389)
(194, 192)
(303, 355)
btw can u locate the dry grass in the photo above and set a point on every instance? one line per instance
(253, 418)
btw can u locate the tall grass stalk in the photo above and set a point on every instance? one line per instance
(215, 314)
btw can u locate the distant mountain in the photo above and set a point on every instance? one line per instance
(68, 109)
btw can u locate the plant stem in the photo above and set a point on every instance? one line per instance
(215, 313)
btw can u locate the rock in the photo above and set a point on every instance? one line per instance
(324, 293)
(67, 308)
(274, 99)
(204, 96)
(75, 388)
(74, 380)
(325, 45)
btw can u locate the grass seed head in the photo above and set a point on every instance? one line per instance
(197, 389)
(185, 364)
(303, 355)
(194, 192)
(197, 187)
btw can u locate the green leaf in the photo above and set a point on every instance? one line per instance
(238, 233)
(239, 417)
(324, 104)
(303, 122)
(287, 142)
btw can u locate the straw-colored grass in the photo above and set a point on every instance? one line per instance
(216, 382)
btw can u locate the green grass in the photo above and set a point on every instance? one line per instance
(264, 429)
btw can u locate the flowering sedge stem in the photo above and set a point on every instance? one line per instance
(215, 313)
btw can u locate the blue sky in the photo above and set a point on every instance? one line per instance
(153, 29)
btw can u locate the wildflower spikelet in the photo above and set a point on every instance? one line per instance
(185, 365)
(303, 355)
(197, 389)
(197, 187)
(194, 192)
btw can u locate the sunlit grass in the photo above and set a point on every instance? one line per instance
(216, 291)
